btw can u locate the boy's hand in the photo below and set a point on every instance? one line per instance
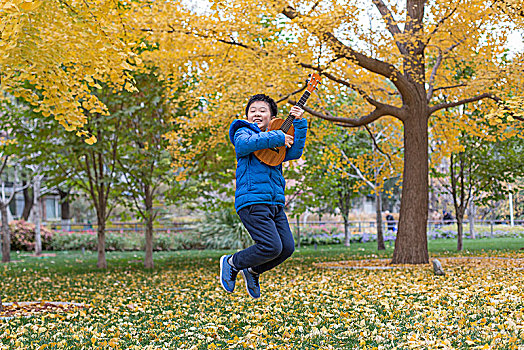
(289, 140)
(297, 112)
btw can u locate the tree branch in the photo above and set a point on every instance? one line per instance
(377, 146)
(449, 87)
(204, 36)
(387, 70)
(391, 24)
(441, 21)
(346, 122)
(461, 102)
(291, 94)
(348, 84)
(4, 163)
(433, 75)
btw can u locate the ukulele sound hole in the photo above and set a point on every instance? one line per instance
(274, 149)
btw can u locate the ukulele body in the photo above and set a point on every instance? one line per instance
(274, 156)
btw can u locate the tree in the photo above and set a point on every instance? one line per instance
(373, 168)
(53, 51)
(16, 186)
(65, 159)
(403, 68)
(321, 180)
(478, 169)
(143, 158)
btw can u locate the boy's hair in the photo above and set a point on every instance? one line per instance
(261, 97)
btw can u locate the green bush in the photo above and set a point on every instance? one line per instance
(123, 241)
(23, 236)
(223, 230)
(74, 240)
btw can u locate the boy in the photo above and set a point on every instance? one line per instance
(259, 195)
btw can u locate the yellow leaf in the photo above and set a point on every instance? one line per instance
(30, 5)
(91, 140)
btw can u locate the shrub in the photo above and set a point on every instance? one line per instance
(123, 241)
(223, 230)
(23, 236)
(320, 234)
(74, 240)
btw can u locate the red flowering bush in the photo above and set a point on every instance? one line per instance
(23, 236)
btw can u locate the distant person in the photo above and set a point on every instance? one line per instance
(448, 219)
(259, 195)
(390, 222)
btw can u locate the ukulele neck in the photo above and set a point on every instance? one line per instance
(289, 120)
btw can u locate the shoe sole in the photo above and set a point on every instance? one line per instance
(247, 288)
(222, 261)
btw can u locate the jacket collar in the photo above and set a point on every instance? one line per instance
(241, 123)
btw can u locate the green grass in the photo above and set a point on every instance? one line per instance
(75, 261)
(180, 304)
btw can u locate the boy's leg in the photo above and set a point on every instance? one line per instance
(286, 237)
(259, 222)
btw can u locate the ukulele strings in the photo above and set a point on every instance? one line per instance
(289, 120)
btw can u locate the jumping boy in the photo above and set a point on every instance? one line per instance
(259, 195)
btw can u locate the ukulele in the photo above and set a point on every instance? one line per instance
(275, 156)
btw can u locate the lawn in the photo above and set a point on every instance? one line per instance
(180, 305)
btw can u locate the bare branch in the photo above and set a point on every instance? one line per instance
(346, 122)
(452, 47)
(440, 58)
(441, 21)
(461, 102)
(204, 36)
(433, 75)
(345, 83)
(391, 24)
(377, 146)
(391, 110)
(4, 163)
(291, 94)
(449, 87)
(314, 6)
(387, 70)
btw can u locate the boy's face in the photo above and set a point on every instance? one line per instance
(260, 113)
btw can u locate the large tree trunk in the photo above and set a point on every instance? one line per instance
(411, 245)
(37, 214)
(6, 235)
(148, 261)
(380, 233)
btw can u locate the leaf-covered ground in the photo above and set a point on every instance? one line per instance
(180, 305)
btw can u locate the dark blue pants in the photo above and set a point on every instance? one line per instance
(269, 228)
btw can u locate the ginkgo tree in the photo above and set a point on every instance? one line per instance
(53, 51)
(403, 65)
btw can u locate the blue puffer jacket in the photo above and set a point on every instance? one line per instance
(258, 183)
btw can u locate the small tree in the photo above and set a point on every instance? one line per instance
(481, 166)
(143, 158)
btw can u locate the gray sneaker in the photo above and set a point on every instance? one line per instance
(252, 284)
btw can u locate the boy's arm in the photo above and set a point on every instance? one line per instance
(296, 149)
(247, 141)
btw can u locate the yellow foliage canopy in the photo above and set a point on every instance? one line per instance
(369, 53)
(63, 48)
